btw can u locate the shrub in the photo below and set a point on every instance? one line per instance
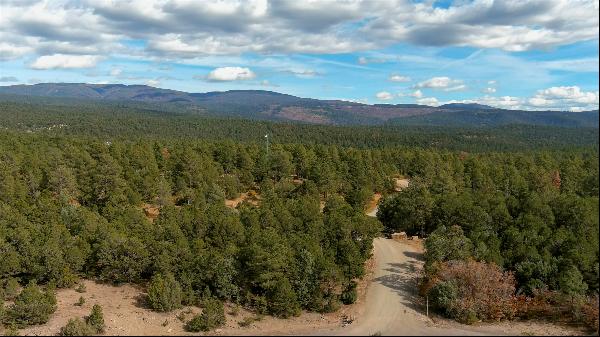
(81, 301)
(212, 316)
(469, 291)
(349, 295)
(76, 327)
(11, 330)
(259, 303)
(164, 293)
(282, 300)
(443, 296)
(32, 306)
(80, 288)
(96, 319)
(11, 289)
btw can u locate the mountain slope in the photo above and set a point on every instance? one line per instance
(260, 104)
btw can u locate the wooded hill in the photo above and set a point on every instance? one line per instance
(268, 105)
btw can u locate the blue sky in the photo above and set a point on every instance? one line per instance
(535, 55)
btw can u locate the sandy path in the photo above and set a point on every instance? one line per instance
(389, 307)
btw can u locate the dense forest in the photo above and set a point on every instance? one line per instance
(129, 120)
(533, 215)
(76, 181)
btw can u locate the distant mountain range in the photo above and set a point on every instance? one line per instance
(260, 104)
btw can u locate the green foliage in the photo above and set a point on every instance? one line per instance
(11, 330)
(447, 244)
(96, 319)
(408, 211)
(349, 295)
(81, 301)
(93, 324)
(164, 293)
(2, 310)
(32, 306)
(76, 327)
(212, 316)
(121, 259)
(571, 282)
(81, 288)
(72, 203)
(443, 296)
(11, 289)
(282, 300)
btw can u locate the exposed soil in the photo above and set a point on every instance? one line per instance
(251, 197)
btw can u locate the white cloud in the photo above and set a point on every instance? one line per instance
(492, 82)
(432, 101)
(399, 78)
(442, 83)
(488, 90)
(384, 96)
(153, 83)
(573, 93)
(116, 71)
(566, 97)
(187, 29)
(230, 74)
(64, 61)
(417, 94)
(303, 73)
(459, 87)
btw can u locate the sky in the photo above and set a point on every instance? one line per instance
(532, 55)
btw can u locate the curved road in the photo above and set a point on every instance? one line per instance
(389, 304)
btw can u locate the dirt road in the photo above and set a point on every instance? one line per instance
(389, 307)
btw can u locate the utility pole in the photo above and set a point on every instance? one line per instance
(267, 139)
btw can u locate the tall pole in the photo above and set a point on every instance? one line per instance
(267, 139)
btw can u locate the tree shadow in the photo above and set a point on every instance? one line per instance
(403, 280)
(141, 301)
(415, 255)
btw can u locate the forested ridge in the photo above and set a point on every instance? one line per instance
(128, 121)
(74, 182)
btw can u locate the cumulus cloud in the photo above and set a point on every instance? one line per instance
(432, 101)
(417, 94)
(230, 74)
(64, 61)
(187, 29)
(442, 83)
(153, 82)
(384, 96)
(399, 78)
(566, 97)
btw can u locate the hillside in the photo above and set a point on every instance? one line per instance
(268, 105)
